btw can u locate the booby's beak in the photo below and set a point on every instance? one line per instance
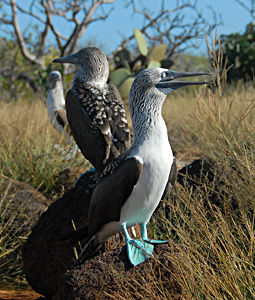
(55, 76)
(167, 84)
(70, 59)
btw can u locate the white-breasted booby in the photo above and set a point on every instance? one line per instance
(95, 110)
(131, 186)
(56, 105)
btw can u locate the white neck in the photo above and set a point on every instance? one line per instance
(56, 100)
(146, 115)
(95, 79)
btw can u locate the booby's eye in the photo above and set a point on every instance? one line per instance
(164, 74)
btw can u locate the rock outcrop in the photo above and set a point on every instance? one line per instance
(45, 257)
(23, 202)
(111, 276)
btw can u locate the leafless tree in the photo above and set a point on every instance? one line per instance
(248, 5)
(172, 26)
(79, 13)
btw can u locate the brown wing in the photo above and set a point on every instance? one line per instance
(171, 179)
(88, 137)
(92, 100)
(62, 119)
(112, 191)
(117, 119)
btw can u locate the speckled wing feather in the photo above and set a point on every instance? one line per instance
(105, 110)
(92, 101)
(88, 137)
(117, 119)
(112, 191)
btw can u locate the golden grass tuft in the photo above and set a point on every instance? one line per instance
(11, 239)
(213, 222)
(28, 153)
(31, 150)
(217, 241)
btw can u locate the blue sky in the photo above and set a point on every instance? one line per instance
(121, 22)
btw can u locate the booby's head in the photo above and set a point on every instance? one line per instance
(94, 64)
(153, 85)
(53, 78)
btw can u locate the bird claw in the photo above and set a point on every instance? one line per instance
(156, 241)
(138, 251)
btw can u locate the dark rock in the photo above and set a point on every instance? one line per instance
(64, 180)
(201, 170)
(111, 276)
(22, 201)
(46, 257)
(210, 176)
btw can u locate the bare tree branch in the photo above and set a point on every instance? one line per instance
(250, 9)
(50, 9)
(154, 20)
(30, 13)
(26, 77)
(170, 26)
(42, 43)
(20, 39)
(81, 28)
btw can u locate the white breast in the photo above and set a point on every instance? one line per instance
(156, 155)
(55, 99)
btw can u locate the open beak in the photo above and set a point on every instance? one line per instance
(70, 59)
(167, 84)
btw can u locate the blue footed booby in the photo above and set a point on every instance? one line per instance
(130, 188)
(56, 105)
(95, 110)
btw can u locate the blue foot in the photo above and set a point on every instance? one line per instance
(138, 251)
(156, 241)
(88, 171)
(146, 239)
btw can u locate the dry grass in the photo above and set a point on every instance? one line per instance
(32, 151)
(11, 239)
(216, 241)
(27, 154)
(212, 222)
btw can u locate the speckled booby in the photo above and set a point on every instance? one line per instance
(131, 186)
(95, 110)
(56, 105)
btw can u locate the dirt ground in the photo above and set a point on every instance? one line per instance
(19, 295)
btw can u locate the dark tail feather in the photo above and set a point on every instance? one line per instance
(87, 252)
(75, 235)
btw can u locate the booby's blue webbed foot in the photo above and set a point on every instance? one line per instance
(138, 250)
(146, 239)
(72, 153)
(88, 171)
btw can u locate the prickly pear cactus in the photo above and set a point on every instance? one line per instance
(141, 42)
(126, 67)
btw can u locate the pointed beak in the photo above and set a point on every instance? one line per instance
(55, 77)
(167, 84)
(70, 59)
